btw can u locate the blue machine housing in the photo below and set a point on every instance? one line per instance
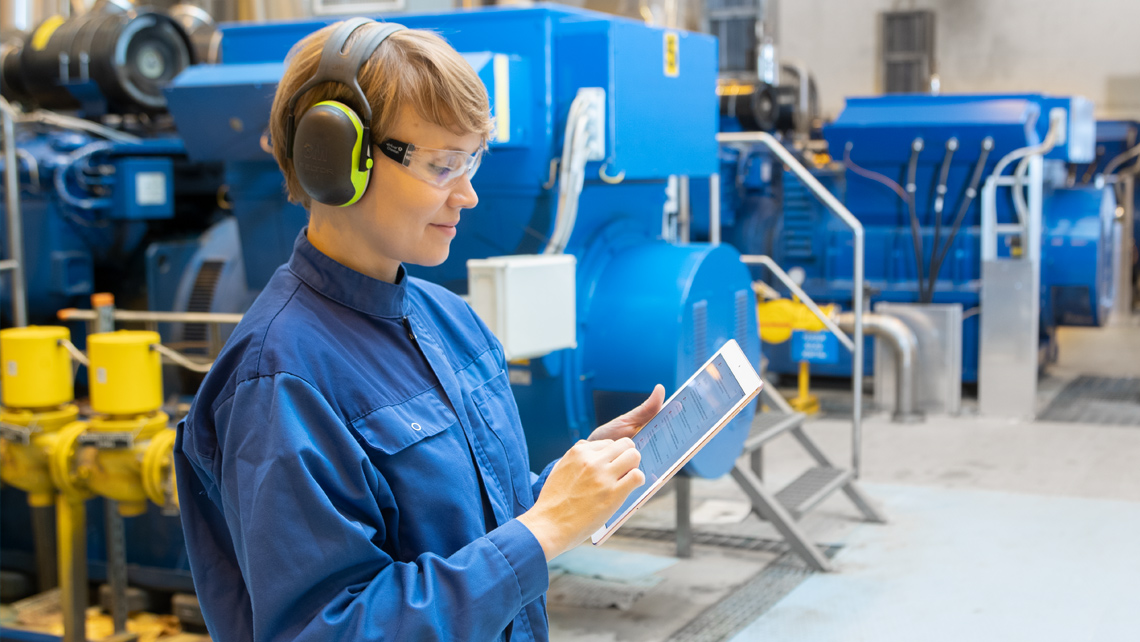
(876, 134)
(1113, 138)
(649, 312)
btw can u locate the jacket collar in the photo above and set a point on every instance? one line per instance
(345, 285)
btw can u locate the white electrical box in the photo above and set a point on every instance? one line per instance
(528, 301)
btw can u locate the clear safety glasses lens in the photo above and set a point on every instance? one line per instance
(440, 167)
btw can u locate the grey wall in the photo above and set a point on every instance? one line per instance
(1085, 47)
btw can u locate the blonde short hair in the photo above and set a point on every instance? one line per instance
(413, 68)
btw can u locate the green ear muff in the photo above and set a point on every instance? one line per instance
(331, 144)
(326, 154)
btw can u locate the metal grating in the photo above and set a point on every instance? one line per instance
(1097, 400)
(769, 425)
(748, 602)
(719, 540)
(809, 488)
(907, 49)
(733, 22)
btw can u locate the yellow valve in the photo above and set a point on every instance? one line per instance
(158, 467)
(125, 474)
(780, 317)
(24, 462)
(125, 375)
(36, 370)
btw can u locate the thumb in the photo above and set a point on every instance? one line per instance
(650, 406)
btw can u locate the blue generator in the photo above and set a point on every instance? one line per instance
(187, 212)
(648, 310)
(913, 169)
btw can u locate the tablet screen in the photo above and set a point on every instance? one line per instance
(681, 424)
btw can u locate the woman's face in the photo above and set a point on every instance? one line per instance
(403, 218)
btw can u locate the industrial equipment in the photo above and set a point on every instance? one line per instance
(185, 212)
(123, 452)
(578, 166)
(922, 173)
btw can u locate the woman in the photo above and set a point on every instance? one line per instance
(353, 467)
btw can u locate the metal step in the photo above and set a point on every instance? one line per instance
(811, 488)
(769, 425)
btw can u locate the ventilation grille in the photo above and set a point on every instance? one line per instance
(700, 333)
(743, 305)
(733, 22)
(907, 51)
(202, 300)
(799, 219)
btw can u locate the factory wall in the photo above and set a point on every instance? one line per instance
(1052, 46)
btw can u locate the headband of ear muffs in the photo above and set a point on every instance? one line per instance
(331, 145)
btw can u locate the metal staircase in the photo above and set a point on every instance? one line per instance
(783, 508)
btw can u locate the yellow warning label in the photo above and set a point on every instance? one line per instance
(672, 54)
(44, 32)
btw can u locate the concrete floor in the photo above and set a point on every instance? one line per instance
(931, 477)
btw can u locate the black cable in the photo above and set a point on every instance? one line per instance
(971, 192)
(939, 203)
(915, 233)
(1091, 171)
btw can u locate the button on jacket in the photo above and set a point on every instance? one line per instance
(352, 467)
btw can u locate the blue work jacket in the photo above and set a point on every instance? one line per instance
(352, 467)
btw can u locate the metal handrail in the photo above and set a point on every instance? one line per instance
(15, 222)
(832, 203)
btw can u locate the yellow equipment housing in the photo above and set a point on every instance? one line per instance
(125, 375)
(780, 317)
(36, 370)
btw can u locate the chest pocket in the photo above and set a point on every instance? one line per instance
(496, 405)
(391, 429)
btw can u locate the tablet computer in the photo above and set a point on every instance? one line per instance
(687, 421)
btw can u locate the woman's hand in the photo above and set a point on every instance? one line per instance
(628, 424)
(584, 489)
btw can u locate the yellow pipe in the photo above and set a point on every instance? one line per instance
(25, 466)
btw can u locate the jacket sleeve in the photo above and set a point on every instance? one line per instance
(308, 512)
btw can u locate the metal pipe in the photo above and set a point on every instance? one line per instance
(223, 318)
(15, 222)
(103, 305)
(71, 526)
(714, 209)
(828, 199)
(902, 340)
(43, 532)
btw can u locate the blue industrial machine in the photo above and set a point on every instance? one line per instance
(648, 311)
(92, 199)
(1116, 162)
(941, 150)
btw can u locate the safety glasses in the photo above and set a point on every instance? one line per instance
(440, 167)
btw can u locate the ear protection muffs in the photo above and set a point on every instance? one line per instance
(331, 145)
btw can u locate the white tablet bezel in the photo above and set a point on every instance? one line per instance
(750, 383)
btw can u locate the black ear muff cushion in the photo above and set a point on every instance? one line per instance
(322, 154)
